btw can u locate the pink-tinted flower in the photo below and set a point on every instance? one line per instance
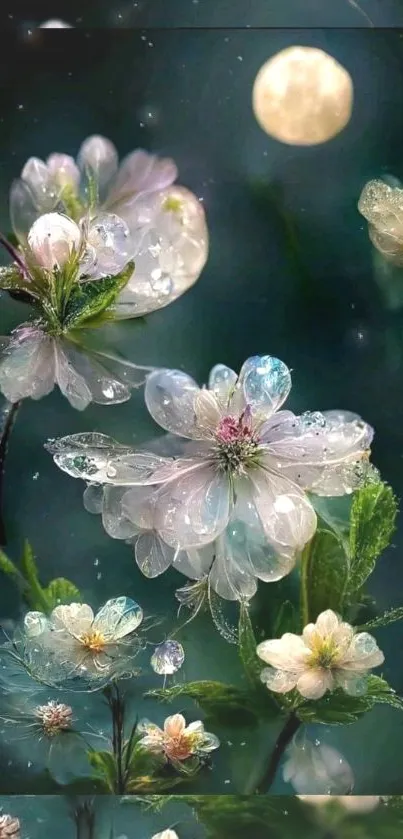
(9, 827)
(177, 741)
(243, 481)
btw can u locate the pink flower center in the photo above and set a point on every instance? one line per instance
(234, 430)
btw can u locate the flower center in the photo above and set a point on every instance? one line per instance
(54, 717)
(236, 446)
(93, 640)
(181, 747)
(324, 654)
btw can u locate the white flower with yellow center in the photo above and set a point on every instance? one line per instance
(74, 644)
(328, 655)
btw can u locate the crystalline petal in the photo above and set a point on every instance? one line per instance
(113, 518)
(72, 385)
(118, 617)
(222, 381)
(27, 366)
(167, 658)
(194, 509)
(153, 555)
(265, 382)
(109, 236)
(169, 396)
(287, 517)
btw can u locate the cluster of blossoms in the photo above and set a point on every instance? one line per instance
(9, 827)
(232, 506)
(328, 655)
(97, 242)
(74, 647)
(177, 742)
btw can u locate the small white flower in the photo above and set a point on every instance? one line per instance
(351, 803)
(328, 655)
(72, 643)
(53, 238)
(382, 206)
(177, 741)
(9, 827)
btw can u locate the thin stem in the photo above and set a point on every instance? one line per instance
(304, 575)
(290, 728)
(117, 707)
(84, 818)
(9, 416)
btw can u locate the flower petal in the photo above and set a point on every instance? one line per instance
(105, 389)
(227, 578)
(72, 385)
(141, 173)
(118, 617)
(222, 381)
(314, 683)
(280, 681)
(153, 555)
(194, 509)
(362, 654)
(208, 413)
(114, 520)
(93, 499)
(265, 382)
(327, 623)
(175, 725)
(287, 517)
(63, 170)
(76, 618)
(169, 396)
(27, 366)
(100, 155)
(323, 453)
(286, 653)
(194, 563)
(23, 210)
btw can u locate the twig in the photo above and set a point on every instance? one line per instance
(8, 418)
(286, 734)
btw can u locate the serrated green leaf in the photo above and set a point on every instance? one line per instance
(337, 708)
(222, 704)
(391, 616)
(61, 591)
(90, 299)
(105, 767)
(373, 516)
(252, 664)
(383, 694)
(287, 620)
(324, 573)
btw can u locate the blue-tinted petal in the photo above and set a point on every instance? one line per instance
(118, 617)
(266, 383)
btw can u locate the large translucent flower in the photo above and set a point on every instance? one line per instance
(242, 482)
(177, 742)
(351, 803)
(382, 206)
(166, 222)
(9, 827)
(75, 647)
(314, 767)
(328, 655)
(33, 362)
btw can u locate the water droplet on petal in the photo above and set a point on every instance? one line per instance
(167, 658)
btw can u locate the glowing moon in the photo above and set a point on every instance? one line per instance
(302, 96)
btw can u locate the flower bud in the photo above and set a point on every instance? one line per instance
(52, 239)
(64, 170)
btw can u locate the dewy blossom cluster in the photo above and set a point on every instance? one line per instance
(234, 507)
(328, 655)
(75, 647)
(97, 242)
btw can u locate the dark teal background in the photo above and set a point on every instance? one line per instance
(290, 273)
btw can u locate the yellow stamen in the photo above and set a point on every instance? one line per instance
(93, 641)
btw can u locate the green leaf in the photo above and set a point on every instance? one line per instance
(11, 278)
(287, 620)
(105, 767)
(35, 594)
(90, 299)
(373, 516)
(252, 664)
(337, 708)
(8, 567)
(383, 694)
(222, 704)
(391, 616)
(61, 591)
(325, 574)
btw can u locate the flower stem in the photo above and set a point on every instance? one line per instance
(84, 818)
(304, 572)
(290, 728)
(8, 418)
(117, 706)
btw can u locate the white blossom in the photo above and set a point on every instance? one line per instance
(72, 645)
(382, 206)
(177, 741)
(315, 767)
(9, 827)
(328, 655)
(350, 803)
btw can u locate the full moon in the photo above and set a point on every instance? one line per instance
(302, 96)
